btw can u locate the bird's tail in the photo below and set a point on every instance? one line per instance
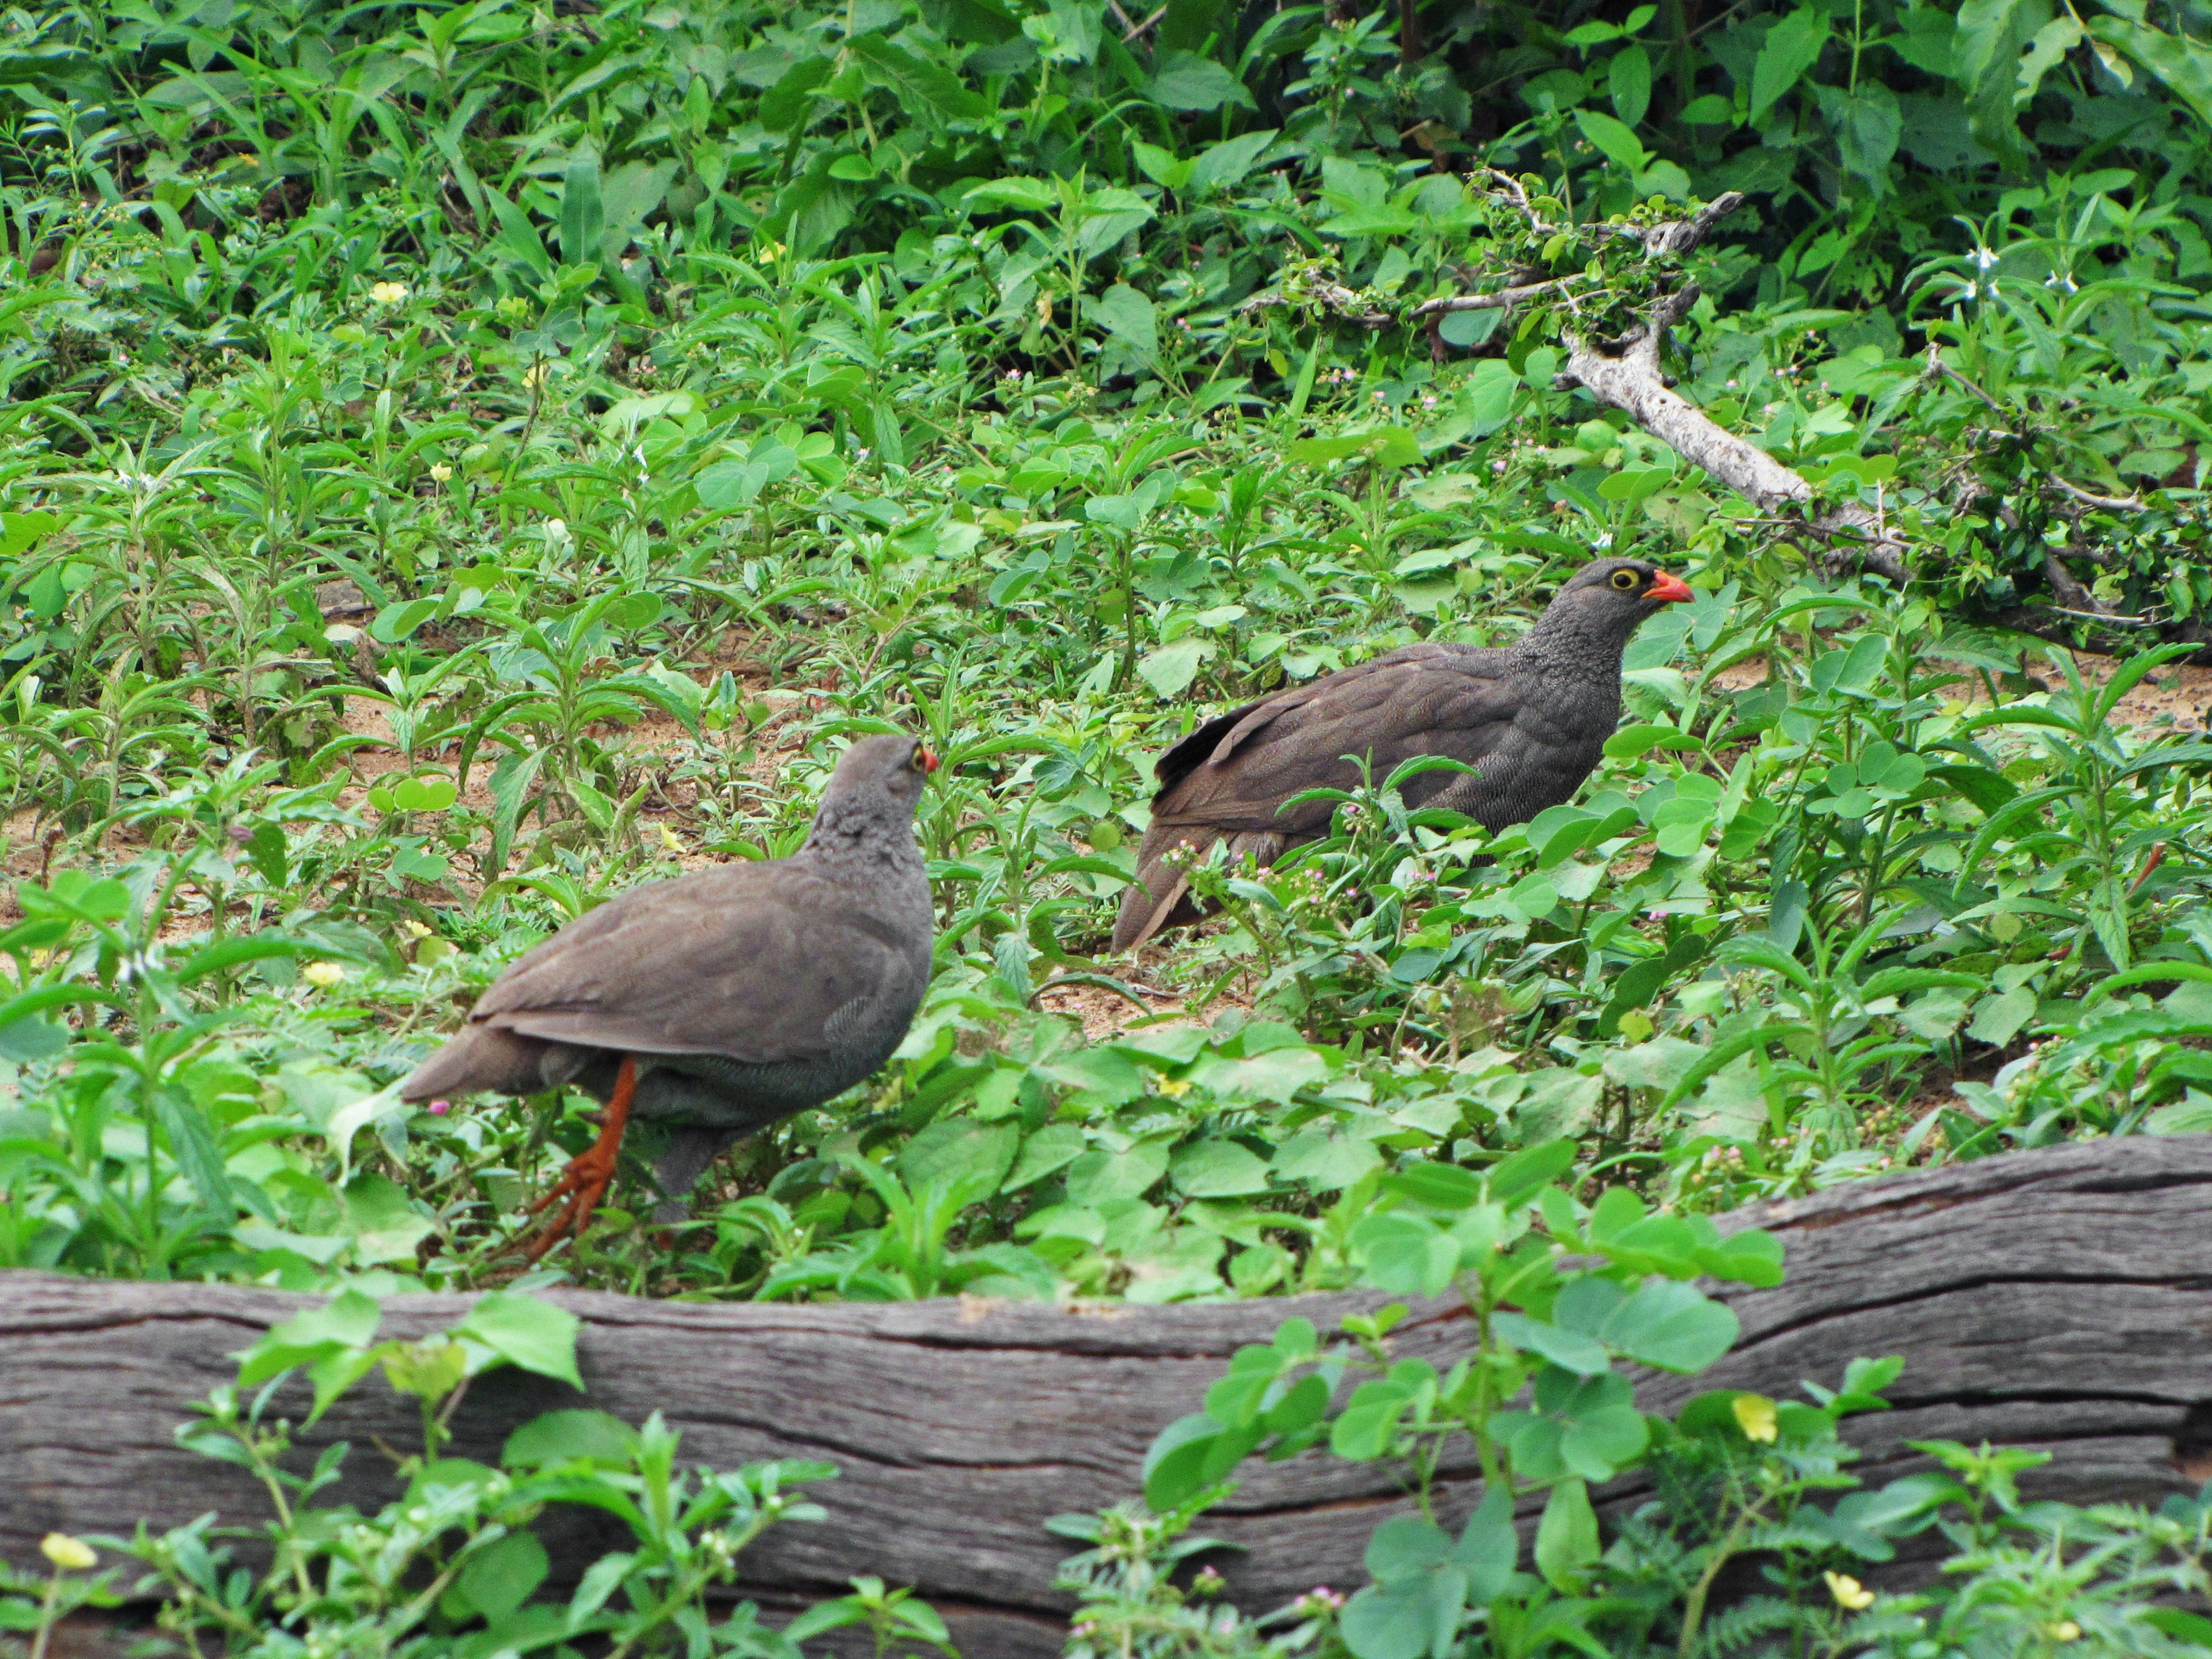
(1160, 896)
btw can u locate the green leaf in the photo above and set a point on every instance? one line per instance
(566, 1436)
(1517, 1179)
(1389, 446)
(347, 1320)
(1612, 140)
(1868, 123)
(503, 1575)
(519, 236)
(1169, 670)
(582, 216)
(1570, 1351)
(1436, 1186)
(1489, 1548)
(1217, 1168)
(916, 81)
(1190, 1455)
(1628, 83)
(1792, 46)
(1407, 1618)
(1027, 195)
(1404, 1255)
(1488, 393)
(2183, 65)
(1227, 162)
(1669, 1325)
(1185, 80)
(1566, 1538)
(1129, 317)
(525, 1332)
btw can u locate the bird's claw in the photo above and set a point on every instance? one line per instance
(583, 1184)
(590, 1173)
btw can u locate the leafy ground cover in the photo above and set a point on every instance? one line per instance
(463, 460)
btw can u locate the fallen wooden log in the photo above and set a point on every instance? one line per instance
(2060, 1299)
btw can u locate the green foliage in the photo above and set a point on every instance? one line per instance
(454, 1566)
(464, 461)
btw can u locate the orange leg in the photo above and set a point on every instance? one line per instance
(585, 1181)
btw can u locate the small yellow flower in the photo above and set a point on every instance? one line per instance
(537, 375)
(1174, 1087)
(388, 294)
(1044, 307)
(69, 1554)
(416, 930)
(440, 473)
(769, 253)
(1848, 1591)
(322, 975)
(1755, 1416)
(2066, 1631)
(671, 840)
(557, 530)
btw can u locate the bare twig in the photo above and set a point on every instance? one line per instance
(1329, 296)
(2117, 503)
(1625, 374)
(1504, 300)
(2073, 597)
(1136, 29)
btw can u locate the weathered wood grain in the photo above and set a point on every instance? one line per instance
(2061, 1300)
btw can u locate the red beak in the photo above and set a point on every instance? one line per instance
(930, 762)
(1670, 589)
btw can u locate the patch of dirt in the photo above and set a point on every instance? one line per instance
(1105, 1015)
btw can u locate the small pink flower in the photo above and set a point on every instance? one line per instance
(439, 1107)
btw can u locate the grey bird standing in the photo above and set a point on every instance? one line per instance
(1532, 720)
(719, 1002)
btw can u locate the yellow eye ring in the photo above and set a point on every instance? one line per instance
(1624, 579)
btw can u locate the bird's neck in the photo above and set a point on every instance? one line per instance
(1567, 645)
(840, 846)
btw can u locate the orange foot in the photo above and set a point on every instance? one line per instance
(586, 1181)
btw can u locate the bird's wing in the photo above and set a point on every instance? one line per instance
(1420, 700)
(753, 963)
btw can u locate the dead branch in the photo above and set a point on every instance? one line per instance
(1504, 300)
(2114, 503)
(1625, 374)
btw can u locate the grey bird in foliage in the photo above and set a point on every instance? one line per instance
(717, 1003)
(1531, 719)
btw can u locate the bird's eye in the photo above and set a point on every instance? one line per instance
(918, 760)
(1624, 579)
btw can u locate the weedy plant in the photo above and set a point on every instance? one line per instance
(461, 462)
(452, 1565)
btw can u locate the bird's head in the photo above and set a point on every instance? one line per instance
(1619, 593)
(880, 774)
(1598, 607)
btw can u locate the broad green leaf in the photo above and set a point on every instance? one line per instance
(1792, 46)
(1129, 317)
(2183, 65)
(561, 1436)
(1185, 80)
(1567, 1537)
(918, 81)
(1612, 139)
(527, 1332)
(1407, 1618)
(1169, 670)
